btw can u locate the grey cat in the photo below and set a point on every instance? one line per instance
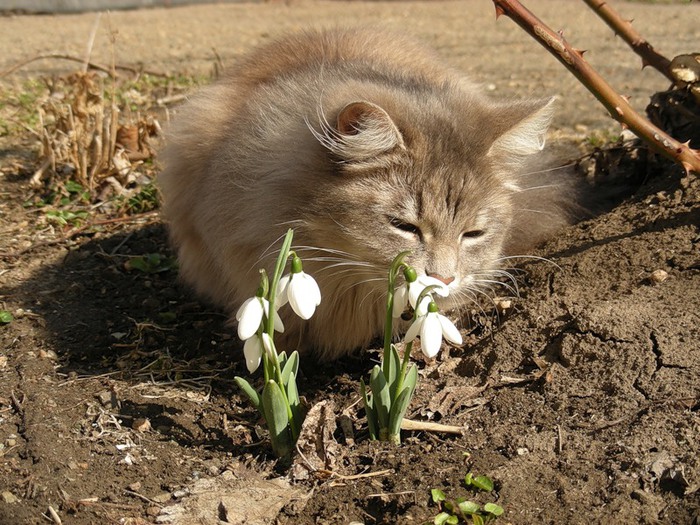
(366, 144)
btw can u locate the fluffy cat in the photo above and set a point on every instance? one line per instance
(366, 144)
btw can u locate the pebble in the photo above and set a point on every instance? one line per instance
(658, 276)
(8, 497)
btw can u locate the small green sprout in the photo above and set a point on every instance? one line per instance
(451, 512)
(5, 317)
(151, 263)
(66, 217)
(480, 482)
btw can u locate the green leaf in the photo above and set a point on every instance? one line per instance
(277, 419)
(294, 403)
(494, 509)
(370, 412)
(445, 518)
(380, 396)
(252, 394)
(391, 368)
(477, 519)
(411, 378)
(468, 507)
(437, 495)
(73, 187)
(398, 409)
(151, 263)
(483, 483)
(291, 366)
(5, 317)
(167, 317)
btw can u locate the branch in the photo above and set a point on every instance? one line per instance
(616, 104)
(624, 29)
(90, 65)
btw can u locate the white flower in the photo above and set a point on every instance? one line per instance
(300, 290)
(253, 350)
(250, 315)
(409, 292)
(432, 327)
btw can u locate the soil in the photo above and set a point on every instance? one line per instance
(581, 400)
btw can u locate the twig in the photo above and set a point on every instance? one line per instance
(616, 104)
(77, 231)
(624, 29)
(54, 516)
(141, 496)
(91, 42)
(91, 65)
(410, 424)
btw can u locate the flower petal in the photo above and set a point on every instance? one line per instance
(252, 349)
(442, 290)
(431, 335)
(279, 325)
(400, 301)
(268, 344)
(251, 315)
(449, 330)
(242, 308)
(281, 294)
(414, 329)
(422, 308)
(304, 295)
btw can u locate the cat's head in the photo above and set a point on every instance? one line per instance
(437, 180)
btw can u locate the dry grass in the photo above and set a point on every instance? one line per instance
(83, 140)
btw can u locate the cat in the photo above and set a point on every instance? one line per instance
(365, 144)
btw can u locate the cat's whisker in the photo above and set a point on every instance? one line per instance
(547, 170)
(303, 248)
(531, 257)
(508, 287)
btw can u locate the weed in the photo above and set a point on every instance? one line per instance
(151, 263)
(452, 512)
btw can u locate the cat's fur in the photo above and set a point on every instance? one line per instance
(367, 145)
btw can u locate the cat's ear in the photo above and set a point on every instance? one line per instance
(363, 132)
(522, 128)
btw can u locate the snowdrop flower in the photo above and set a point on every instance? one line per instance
(432, 327)
(250, 316)
(300, 290)
(252, 350)
(411, 290)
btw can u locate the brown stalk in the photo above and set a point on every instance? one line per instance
(624, 29)
(616, 104)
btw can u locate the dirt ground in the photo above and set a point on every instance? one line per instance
(581, 401)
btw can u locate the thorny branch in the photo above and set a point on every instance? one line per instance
(616, 104)
(624, 29)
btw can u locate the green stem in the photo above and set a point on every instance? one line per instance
(404, 365)
(394, 270)
(270, 327)
(279, 269)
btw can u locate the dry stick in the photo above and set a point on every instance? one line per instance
(616, 104)
(624, 29)
(91, 65)
(91, 42)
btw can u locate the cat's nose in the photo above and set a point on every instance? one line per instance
(446, 280)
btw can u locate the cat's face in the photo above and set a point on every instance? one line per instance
(440, 192)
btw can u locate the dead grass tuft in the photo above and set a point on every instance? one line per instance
(83, 140)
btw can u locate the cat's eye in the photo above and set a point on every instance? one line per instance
(404, 226)
(473, 234)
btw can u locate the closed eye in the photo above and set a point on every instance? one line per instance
(404, 226)
(473, 234)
